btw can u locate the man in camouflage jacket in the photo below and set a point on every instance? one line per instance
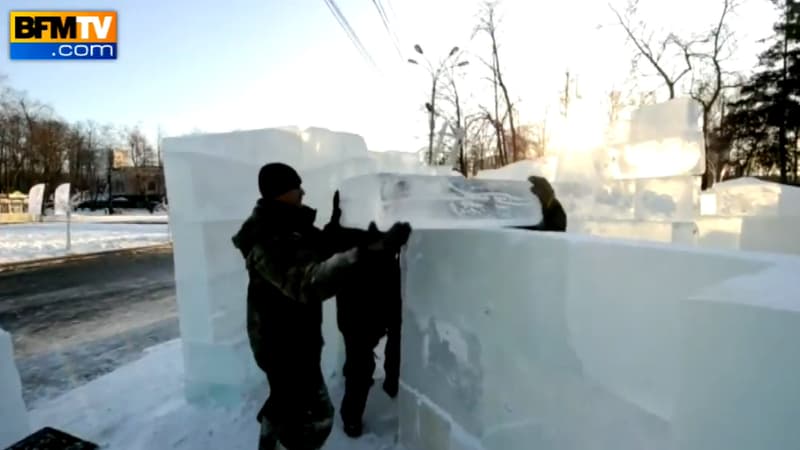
(292, 269)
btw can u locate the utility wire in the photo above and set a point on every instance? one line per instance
(337, 13)
(388, 27)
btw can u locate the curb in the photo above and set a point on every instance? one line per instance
(19, 265)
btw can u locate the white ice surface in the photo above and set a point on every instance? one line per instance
(14, 423)
(753, 197)
(33, 241)
(141, 406)
(587, 345)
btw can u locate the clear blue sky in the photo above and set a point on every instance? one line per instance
(240, 64)
(212, 65)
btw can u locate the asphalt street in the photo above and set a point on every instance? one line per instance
(74, 321)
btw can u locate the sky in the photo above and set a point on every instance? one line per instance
(207, 65)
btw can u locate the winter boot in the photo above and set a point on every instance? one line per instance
(352, 410)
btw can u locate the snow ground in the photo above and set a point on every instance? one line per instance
(26, 242)
(141, 406)
(120, 216)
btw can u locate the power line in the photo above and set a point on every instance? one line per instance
(387, 26)
(337, 13)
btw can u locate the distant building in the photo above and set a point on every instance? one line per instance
(121, 158)
(138, 182)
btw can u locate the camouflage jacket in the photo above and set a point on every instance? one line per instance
(292, 269)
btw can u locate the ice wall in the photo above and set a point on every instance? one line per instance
(212, 185)
(14, 423)
(739, 365)
(576, 342)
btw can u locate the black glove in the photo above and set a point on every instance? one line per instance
(336, 213)
(542, 189)
(397, 236)
(392, 240)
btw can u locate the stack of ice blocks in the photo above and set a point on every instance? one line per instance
(750, 214)
(647, 187)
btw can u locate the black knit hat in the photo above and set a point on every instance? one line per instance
(276, 179)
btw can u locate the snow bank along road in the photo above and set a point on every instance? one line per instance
(26, 242)
(76, 320)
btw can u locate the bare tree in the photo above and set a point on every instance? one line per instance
(141, 152)
(659, 50)
(709, 81)
(436, 71)
(487, 25)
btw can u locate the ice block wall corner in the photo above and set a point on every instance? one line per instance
(557, 341)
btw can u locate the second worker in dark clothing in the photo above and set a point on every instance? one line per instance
(292, 269)
(366, 312)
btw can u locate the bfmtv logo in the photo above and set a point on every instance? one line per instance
(63, 35)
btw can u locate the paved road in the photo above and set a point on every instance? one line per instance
(74, 321)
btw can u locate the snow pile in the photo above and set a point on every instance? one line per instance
(437, 202)
(753, 197)
(33, 241)
(128, 216)
(14, 424)
(141, 406)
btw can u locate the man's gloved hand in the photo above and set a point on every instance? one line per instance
(392, 240)
(336, 212)
(542, 189)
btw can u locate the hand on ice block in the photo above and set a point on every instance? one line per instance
(336, 212)
(393, 240)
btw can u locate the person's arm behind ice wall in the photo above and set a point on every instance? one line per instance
(554, 218)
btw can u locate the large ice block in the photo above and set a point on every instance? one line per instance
(14, 423)
(753, 197)
(684, 233)
(212, 185)
(664, 140)
(670, 199)
(583, 345)
(437, 201)
(775, 234)
(322, 147)
(739, 366)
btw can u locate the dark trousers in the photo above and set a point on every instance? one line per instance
(359, 368)
(298, 412)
